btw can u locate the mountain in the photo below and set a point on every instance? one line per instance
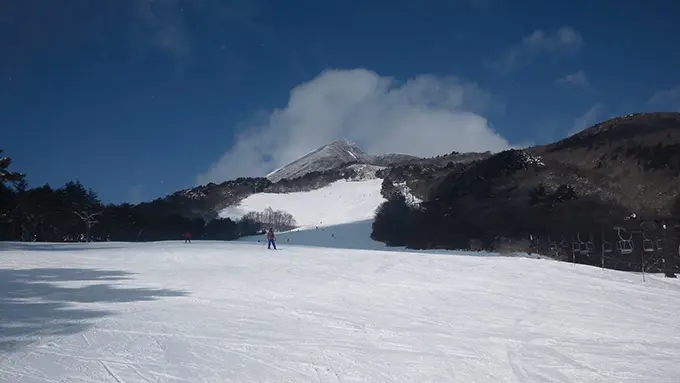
(321, 167)
(540, 198)
(333, 156)
(336, 161)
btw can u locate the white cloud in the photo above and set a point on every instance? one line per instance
(424, 116)
(564, 40)
(579, 79)
(588, 119)
(667, 98)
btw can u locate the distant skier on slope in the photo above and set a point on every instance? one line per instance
(187, 237)
(271, 239)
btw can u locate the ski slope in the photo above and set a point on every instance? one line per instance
(339, 203)
(353, 235)
(339, 215)
(233, 312)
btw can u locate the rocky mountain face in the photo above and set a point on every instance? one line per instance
(333, 156)
(547, 197)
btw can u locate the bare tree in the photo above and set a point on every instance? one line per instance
(89, 219)
(84, 204)
(276, 219)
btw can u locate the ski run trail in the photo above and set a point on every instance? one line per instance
(330, 306)
(341, 202)
(236, 312)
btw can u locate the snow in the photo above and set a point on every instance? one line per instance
(408, 196)
(355, 235)
(332, 157)
(235, 312)
(532, 160)
(339, 203)
(327, 157)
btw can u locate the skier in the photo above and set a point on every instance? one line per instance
(187, 237)
(271, 239)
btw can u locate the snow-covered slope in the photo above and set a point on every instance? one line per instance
(338, 203)
(333, 156)
(229, 312)
(327, 157)
(353, 235)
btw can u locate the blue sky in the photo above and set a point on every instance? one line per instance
(140, 98)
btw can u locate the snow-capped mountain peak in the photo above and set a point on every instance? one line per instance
(332, 156)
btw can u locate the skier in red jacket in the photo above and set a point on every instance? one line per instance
(187, 237)
(271, 239)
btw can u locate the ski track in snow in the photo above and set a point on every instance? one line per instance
(234, 312)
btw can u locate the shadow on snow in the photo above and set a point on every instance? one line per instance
(353, 235)
(32, 305)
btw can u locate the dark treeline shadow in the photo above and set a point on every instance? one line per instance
(34, 306)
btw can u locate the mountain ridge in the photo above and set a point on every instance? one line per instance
(332, 156)
(575, 189)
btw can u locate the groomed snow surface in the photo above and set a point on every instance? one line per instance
(339, 215)
(339, 203)
(235, 312)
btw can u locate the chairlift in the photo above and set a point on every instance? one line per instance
(647, 244)
(563, 243)
(606, 245)
(623, 245)
(659, 244)
(583, 247)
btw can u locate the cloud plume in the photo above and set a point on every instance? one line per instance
(578, 79)
(538, 43)
(424, 116)
(668, 99)
(588, 119)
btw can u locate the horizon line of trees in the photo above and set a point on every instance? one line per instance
(74, 213)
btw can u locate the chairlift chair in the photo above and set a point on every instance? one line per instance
(583, 247)
(659, 244)
(607, 247)
(563, 243)
(647, 244)
(625, 246)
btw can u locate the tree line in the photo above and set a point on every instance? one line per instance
(275, 219)
(484, 207)
(75, 213)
